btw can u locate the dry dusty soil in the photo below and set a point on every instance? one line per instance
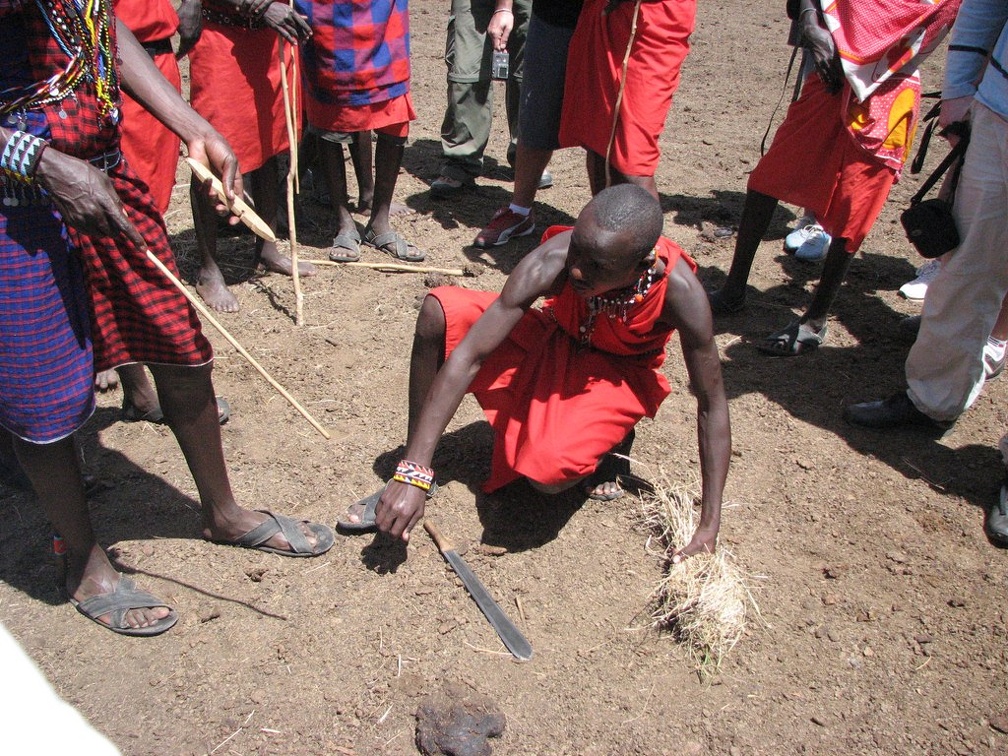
(884, 627)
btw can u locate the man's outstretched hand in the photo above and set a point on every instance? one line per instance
(704, 541)
(399, 510)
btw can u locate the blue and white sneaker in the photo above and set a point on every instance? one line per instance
(801, 232)
(815, 245)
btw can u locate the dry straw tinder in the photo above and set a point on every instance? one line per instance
(703, 601)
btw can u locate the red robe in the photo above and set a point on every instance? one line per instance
(557, 406)
(151, 148)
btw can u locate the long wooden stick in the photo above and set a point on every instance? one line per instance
(389, 266)
(290, 115)
(234, 342)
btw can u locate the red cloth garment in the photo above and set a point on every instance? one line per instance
(149, 20)
(557, 406)
(235, 84)
(357, 66)
(594, 76)
(137, 314)
(151, 149)
(848, 186)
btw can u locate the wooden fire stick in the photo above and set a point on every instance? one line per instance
(239, 207)
(291, 114)
(234, 342)
(391, 267)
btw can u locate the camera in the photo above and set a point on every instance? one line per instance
(500, 65)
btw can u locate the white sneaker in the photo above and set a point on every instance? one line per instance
(815, 246)
(994, 358)
(801, 232)
(916, 289)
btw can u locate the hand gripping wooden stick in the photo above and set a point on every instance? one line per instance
(239, 207)
(234, 342)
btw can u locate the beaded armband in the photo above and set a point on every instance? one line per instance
(414, 475)
(21, 155)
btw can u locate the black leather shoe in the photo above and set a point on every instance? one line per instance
(895, 412)
(997, 519)
(546, 180)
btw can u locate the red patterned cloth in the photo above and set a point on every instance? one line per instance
(556, 406)
(595, 74)
(235, 83)
(149, 20)
(357, 66)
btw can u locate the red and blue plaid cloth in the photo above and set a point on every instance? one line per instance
(359, 51)
(136, 314)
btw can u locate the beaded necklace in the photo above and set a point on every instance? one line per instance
(83, 31)
(616, 304)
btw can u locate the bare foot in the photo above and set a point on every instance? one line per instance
(274, 262)
(106, 380)
(215, 293)
(606, 491)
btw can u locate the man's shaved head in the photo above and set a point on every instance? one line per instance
(630, 212)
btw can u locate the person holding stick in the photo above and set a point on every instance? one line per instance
(564, 385)
(235, 83)
(80, 291)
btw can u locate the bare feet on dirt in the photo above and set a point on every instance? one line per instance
(213, 290)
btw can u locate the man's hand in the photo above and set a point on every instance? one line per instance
(190, 28)
(400, 508)
(819, 42)
(953, 112)
(500, 27)
(703, 541)
(85, 197)
(214, 152)
(287, 22)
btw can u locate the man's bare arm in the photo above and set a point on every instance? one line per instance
(401, 506)
(145, 83)
(687, 309)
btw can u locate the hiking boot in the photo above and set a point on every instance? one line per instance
(505, 225)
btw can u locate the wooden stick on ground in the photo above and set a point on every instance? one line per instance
(201, 308)
(390, 267)
(291, 115)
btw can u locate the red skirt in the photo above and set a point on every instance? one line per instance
(814, 162)
(236, 85)
(555, 409)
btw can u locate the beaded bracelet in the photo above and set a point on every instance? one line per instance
(21, 155)
(414, 475)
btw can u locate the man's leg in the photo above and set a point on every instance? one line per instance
(190, 410)
(838, 261)
(139, 396)
(55, 475)
(465, 129)
(347, 247)
(756, 216)
(361, 155)
(388, 158)
(264, 188)
(209, 280)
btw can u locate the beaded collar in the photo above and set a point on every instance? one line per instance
(83, 31)
(616, 304)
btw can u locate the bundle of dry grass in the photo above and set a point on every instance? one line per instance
(703, 601)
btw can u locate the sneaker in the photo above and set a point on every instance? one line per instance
(801, 233)
(505, 225)
(815, 245)
(916, 289)
(994, 358)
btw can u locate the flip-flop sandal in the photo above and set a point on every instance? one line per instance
(345, 247)
(401, 249)
(131, 414)
(797, 338)
(367, 522)
(290, 529)
(125, 597)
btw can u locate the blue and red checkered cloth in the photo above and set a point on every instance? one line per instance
(359, 52)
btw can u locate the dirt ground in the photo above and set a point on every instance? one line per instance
(882, 624)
